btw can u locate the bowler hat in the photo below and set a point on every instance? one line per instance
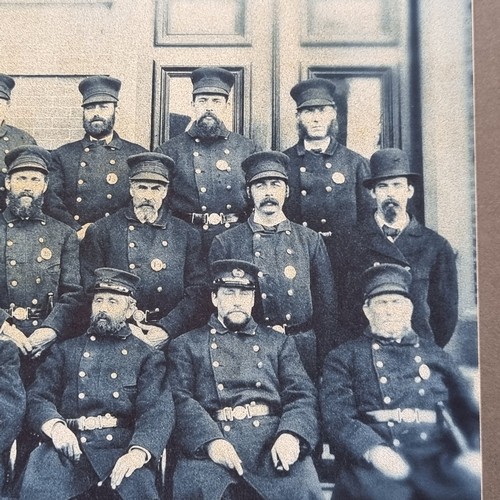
(99, 89)
(150, 167)
(383, 279)
(117, 281)
(265, 165)
(233, 273)
(212, 80)
(388, 163)
(6, 85)
(314, 92)
(27, 157)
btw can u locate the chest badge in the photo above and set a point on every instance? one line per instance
(222, 165)
(424, 371)
(112, 178)
(46, 253)
(157, 265)
(338, 177)
(290, 272)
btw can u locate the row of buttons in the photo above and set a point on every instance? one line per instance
(84, 164)
(88, 149)
(327, 165)
(255, 423)
(109, 437)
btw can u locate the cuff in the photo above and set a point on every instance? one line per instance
(48, 426)
(148, 454)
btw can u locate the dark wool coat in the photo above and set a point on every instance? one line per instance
(211, 368)
(88, 181)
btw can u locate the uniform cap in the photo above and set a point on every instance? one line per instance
(6, 85)
(388, 163)
(314, 92)
(28, 157)
(99, 89)
(265, 165)
(117, 281)
(150, 167)
(233, 273)
(212, 80)
(386, 278)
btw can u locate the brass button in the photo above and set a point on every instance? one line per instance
(86, 354)
(109, 437)
(116, 394)
(83, 439)
(220, 387)
(81, 395)
(114, 375)
(82, 374)
(387, 400)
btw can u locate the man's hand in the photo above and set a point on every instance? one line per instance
(222, 452)
(285, 451)
(155, 336)
(388, 462)
(18, 337)
(65, 442)
(126, 465)
(41, 339)
(81, 232)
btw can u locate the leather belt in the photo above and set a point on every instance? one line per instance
(406, 415)
(91, 423)
(295, 329)
(208, 219)
(228, 414)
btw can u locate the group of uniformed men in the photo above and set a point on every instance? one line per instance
(196, 298)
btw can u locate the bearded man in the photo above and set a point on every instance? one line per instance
(145, 239)
(103, 404)
(89, 177)
(207, 184)
(392, 235)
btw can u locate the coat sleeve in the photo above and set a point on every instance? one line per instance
(194, 426)
(364, 202)
(217, 251)
(340, 418)
(443, 295)
(92, 251)
(298, 397)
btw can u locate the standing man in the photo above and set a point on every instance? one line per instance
(102, 401)
(393, 235)
(145, 239)
(207, 184)
(295, 279)
(10, 137)
(245, 408)
(89, 177)
(395, 406)
(325, 178)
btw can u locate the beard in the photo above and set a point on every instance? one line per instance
(98, 126)
(331, 131)
(102, 324)
(25, 205)
(146, 213)
(236, 320)
(209, 125)
(390, 209)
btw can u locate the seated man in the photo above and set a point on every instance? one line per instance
(246, 410)
(103, 402)
(395, 407)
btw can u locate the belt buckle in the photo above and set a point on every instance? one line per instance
(21, 313)
(240, 412)
(214, 219)
(139, 316)
(408, 415)
(90, 423)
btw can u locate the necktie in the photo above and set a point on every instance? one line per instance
(390, 231)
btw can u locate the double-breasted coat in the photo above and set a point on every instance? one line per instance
(10, 138)
(211, 368)
(296, 284)
(166, 255)
(94, 375)
(326, 190)
(372, 373)
(89, 180)
(434, 288)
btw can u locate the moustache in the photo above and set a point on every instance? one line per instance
(269, 201)
(27, 194)
(389, 202)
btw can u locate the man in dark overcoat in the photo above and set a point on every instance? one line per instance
(145, 239)
(394, 235)
(296, 284)
(207, 184)
(245, 407)
(325, 177)
(10, 137)
(395, 407)
(89, 177)
(102, 402)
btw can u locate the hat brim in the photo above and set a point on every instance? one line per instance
(387, 289)
(316, 102)
(149, 177)
(4, 95)
(371, 181)
(211, 90)
(28, 166)
(99, 98)
(268, 174)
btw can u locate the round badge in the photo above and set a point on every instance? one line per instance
(139, 315)
(338, 177)
(156, 265)
(46, 253)
(424, 371)
(112, 178)
(222, 165)
(290, 272)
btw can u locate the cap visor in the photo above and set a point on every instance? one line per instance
(210, 90)
(99, 98)
(268, 174)
(149, 177)
(316, 102)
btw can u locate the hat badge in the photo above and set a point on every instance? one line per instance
(238, 273)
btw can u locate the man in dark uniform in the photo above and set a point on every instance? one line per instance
(10, 137)
(325, 178)
(207, 184)
(295, 282)
(164, 251)
(89, 177)
(396, 408)
(393, 235)
(103, 402)
(245, 408)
